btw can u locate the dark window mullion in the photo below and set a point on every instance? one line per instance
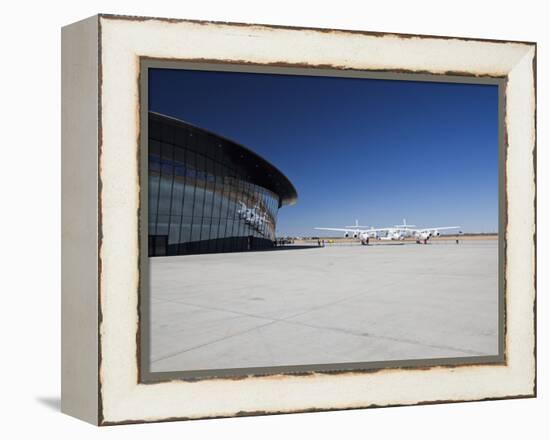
(184, 148)
(211, 242)
(217, 195)
(204, 173)
(224, 213)
(239, 220)
(193, 167)
(249, 229)
(230, 213)
(158, 190)
(171, 146)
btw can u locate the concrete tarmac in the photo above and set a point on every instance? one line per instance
(324, 305)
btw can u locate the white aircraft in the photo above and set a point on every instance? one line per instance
(355, 231)
(400, 232)
(397, 232)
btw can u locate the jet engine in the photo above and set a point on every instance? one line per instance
(425, 235)
(355, 234)
(346, 235)
(436, 233)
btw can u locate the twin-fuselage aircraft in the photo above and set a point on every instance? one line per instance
(396, 232)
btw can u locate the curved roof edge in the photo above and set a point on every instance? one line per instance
(269, 177)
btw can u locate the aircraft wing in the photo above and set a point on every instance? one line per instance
(442, 228)
(351, 230)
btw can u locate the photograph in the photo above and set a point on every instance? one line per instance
(302, 220)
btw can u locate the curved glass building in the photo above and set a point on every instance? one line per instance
(209, 194)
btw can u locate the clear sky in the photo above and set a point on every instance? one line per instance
(374, 150)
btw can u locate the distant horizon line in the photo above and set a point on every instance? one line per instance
(340, 235)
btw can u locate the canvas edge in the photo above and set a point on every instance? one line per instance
(141, 18)
(80, 220)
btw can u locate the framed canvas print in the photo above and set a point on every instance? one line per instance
(262, 219)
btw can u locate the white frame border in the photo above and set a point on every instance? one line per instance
(122, 41)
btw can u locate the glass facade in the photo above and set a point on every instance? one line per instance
(207, 194)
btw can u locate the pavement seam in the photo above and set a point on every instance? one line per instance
(301, 324)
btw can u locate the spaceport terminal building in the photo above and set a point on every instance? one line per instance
(209, 194)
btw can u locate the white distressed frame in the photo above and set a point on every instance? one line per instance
(122, 41)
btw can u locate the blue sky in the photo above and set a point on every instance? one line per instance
(375, 150)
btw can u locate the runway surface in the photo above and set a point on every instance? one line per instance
(324, 305)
